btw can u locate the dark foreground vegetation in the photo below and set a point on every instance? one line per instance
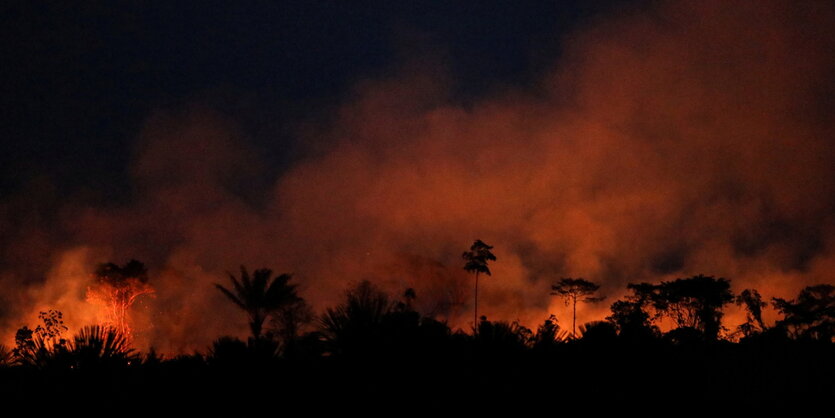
(375, 353)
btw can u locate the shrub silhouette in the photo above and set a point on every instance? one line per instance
(598, 332)
(549, 334)
(99, 346)
(357, 323)
(6, 356)
(501, 336)
(43, 347)
(94, 346)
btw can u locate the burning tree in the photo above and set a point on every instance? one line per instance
(117, 288)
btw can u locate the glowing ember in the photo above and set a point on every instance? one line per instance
(116, 288)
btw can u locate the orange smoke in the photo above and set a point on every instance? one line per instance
(691, 138)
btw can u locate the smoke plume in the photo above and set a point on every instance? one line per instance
(692, 137)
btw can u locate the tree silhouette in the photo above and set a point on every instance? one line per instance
(44, 346)
(753, 303)
(632, 320)
(695, 302)
(811, 315)
(476, 262)
(574, 290)
(636, 315)
(260, 295)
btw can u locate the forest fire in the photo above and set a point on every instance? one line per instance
(638, 159)
(650, 177)
(115, 289)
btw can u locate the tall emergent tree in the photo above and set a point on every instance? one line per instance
(574, 290)
(260, 295)
(476, 261)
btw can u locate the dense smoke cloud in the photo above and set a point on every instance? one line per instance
(691, 138)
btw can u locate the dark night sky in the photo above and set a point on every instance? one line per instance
(78, 81)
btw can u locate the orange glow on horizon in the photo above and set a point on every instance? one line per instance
(656, 148)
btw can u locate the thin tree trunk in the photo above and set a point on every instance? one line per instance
(475, 314)
(574, 320)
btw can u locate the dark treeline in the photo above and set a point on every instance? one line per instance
(375, 349)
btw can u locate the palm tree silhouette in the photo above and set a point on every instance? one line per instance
(259, 296)
(477, 259)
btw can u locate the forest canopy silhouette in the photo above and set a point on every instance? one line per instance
(413, 200)
(370, 332)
